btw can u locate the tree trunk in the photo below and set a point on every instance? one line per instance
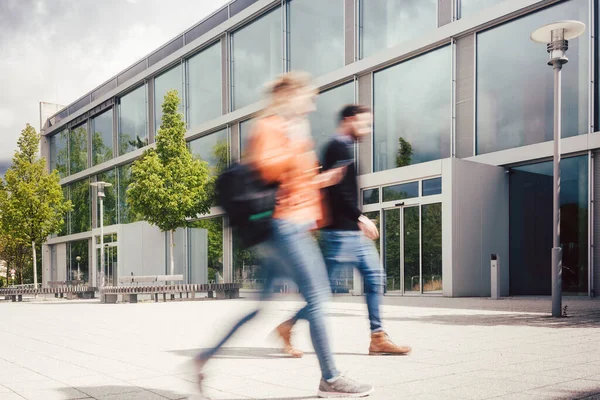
(172, 255)
(34, 264)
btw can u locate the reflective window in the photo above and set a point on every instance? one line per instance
(469, 7)
(133, 132)
(375, 217)
(170, 80)
(205, 85)
(66, 227)
(81, 216)
(411, 249)
(59, 153)
(324, 121)
(213, 149)
(78, 149)
(245, 129)
(102, 137)
(370, 196)
(78, 261)
(246, 266)
(126, 216)
(432, 186)
(386, 23)
(530, 223)
(515, 104)
(257, 57)
(206, 247)
(431, 242)
(110, 199)
(400, 192)
(412, 114)
(316, 27)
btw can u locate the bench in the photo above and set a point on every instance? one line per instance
(130, 293)
(16, 294)
(132, 280)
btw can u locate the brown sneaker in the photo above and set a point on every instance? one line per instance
(381, 345)
(285, 332)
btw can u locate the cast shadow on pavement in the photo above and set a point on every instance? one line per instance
(260, 353)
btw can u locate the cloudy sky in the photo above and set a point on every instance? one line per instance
(58, 50)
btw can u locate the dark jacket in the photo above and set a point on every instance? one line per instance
(343, 197)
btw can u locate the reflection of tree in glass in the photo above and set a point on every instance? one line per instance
(431, 215)
(411, 249)
(110, 199)
(127, 144)
(100, 152)
(214, 226)
(78, 154)
(126, 215)
(392, 248)
(404, 154)
(79, 248)
(62, 157)
(81, 214)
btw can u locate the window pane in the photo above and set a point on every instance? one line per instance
(391, 239)
(531, 189)
(370, 196)
(515, 87)
(78, 149)
(245, 129)
(110, 199)
(412, 116)
(386, 23)
(246, 266)
(402, 191)
(81, 216)
(65, 228)
(207, 251)
(78, 269)
(316, 27)
(257, 57)
(411, 250)
(213, 149)
(374, 216)
(469, 7)
(205, 85)
(170, 80)
(59, 157)
(102, 137)
(324, 121)
(431, 221)
(126, 216)
(133, 133)
(432, 186)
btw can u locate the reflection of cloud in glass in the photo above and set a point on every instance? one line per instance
(515, 86)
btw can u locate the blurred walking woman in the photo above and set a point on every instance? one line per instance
(281, 149)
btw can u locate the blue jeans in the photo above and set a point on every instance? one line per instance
(354, 248)
(292, 252)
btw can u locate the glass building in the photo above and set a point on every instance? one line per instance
(457, 168)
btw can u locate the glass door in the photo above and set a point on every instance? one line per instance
(110, 264)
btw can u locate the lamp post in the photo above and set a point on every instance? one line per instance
(100, 194)
(78, 259)
(556, 36)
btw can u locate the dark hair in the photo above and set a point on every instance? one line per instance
(352, 110)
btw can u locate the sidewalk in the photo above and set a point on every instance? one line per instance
(463, 349)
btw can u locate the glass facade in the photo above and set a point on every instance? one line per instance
(246, 266)
(102, 137)
(401, 191)
(386, 23)
(59, 153)
(469, 7)
(432, 187)
(515, 87)
(257, 57)
(81, 216)
(324, 121)
(126, 216)
(78, 259)
(110, 199)
(78, 149)
(245, 129)
(431, 253)
(207, 250)
(204, 84)
(531, 189)
(170, 80)
(212, 148)
(133, 129)
(403, 95)
(370, 196)
(316, 27)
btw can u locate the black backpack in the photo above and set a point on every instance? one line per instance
(249, 202)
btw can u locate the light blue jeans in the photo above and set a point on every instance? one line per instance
(292, 252)
(354, 248)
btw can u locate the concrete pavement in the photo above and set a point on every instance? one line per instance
(463, 349)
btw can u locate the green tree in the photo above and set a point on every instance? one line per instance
(168, 185)
(16, 254)
(404, 154)
(32, 204)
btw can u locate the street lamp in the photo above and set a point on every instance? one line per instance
(100, 193)
(78, 259)
(556, 36)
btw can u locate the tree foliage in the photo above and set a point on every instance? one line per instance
(404, 154)
(168, 185)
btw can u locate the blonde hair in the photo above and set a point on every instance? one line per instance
(286, 84)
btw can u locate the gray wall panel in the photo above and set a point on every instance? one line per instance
(365, 148)
(596, 225)
(445, 11)
(349, 29)
(465, 102)
(142, 248)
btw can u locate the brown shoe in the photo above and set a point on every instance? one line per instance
(381, 345)
(285, 332)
